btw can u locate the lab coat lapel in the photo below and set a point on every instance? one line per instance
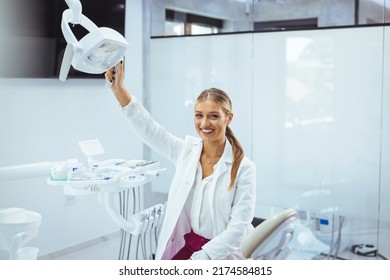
(184, 181)
(180, 189)
(192, 168)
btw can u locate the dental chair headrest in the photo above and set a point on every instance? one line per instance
(283, 221)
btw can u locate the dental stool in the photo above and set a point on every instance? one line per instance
(17, 227)
(269, 240)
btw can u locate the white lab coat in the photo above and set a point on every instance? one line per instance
(231, 211)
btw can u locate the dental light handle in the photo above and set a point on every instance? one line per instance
(76, 8)
(66, 62)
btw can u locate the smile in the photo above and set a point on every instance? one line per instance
(207, 131)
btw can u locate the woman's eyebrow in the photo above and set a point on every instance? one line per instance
(212, 112)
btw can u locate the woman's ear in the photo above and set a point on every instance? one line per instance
(229, 118)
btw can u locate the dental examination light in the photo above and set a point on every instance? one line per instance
(98, 51)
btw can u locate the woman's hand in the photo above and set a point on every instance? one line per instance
(116, 77)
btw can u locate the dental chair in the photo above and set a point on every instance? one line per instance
(269, 240)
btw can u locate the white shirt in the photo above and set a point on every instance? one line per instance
(198, 207)
(201, 221)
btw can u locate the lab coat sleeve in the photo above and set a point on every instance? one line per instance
(152, 133)
(228, 242)
(200, 255)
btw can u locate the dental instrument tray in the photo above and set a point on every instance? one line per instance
(110, 175)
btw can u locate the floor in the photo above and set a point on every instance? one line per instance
(103, 248)
(108, 248)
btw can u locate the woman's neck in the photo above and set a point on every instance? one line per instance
(213, 149)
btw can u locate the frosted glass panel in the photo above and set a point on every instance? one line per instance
(317, 122)
(312, 109)
(384, 230)
(183, 67)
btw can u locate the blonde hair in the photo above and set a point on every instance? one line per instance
(224, 101)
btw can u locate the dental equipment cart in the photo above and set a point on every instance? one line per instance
(119, 178)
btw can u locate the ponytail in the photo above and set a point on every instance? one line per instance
(238, 155)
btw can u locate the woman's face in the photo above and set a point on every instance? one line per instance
(211, 121)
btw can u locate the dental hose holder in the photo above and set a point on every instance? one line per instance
(138, 223)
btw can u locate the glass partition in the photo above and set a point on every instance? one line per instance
(317, 127)
(384, 191)
(311, 110)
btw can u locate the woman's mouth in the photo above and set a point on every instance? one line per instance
(207, 131)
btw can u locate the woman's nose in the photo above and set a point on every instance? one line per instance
(205, 121)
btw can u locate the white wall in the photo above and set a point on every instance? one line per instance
(43, 120)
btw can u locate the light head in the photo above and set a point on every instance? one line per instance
(98, 51)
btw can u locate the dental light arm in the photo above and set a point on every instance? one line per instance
(76, 9)
(98, 51)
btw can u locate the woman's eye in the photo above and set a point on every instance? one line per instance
(214, 117)
(198, 116)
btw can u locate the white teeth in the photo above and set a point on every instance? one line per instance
(207, 130)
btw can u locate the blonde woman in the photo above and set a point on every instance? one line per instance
(211, 199)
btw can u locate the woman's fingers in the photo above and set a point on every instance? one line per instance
(110, 74)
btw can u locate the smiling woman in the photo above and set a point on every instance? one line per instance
(213, 110)
(211, 199)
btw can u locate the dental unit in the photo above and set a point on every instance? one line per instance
(110, 179)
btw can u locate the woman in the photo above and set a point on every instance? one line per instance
(212, 195)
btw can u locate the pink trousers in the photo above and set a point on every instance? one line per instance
(193, 243)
